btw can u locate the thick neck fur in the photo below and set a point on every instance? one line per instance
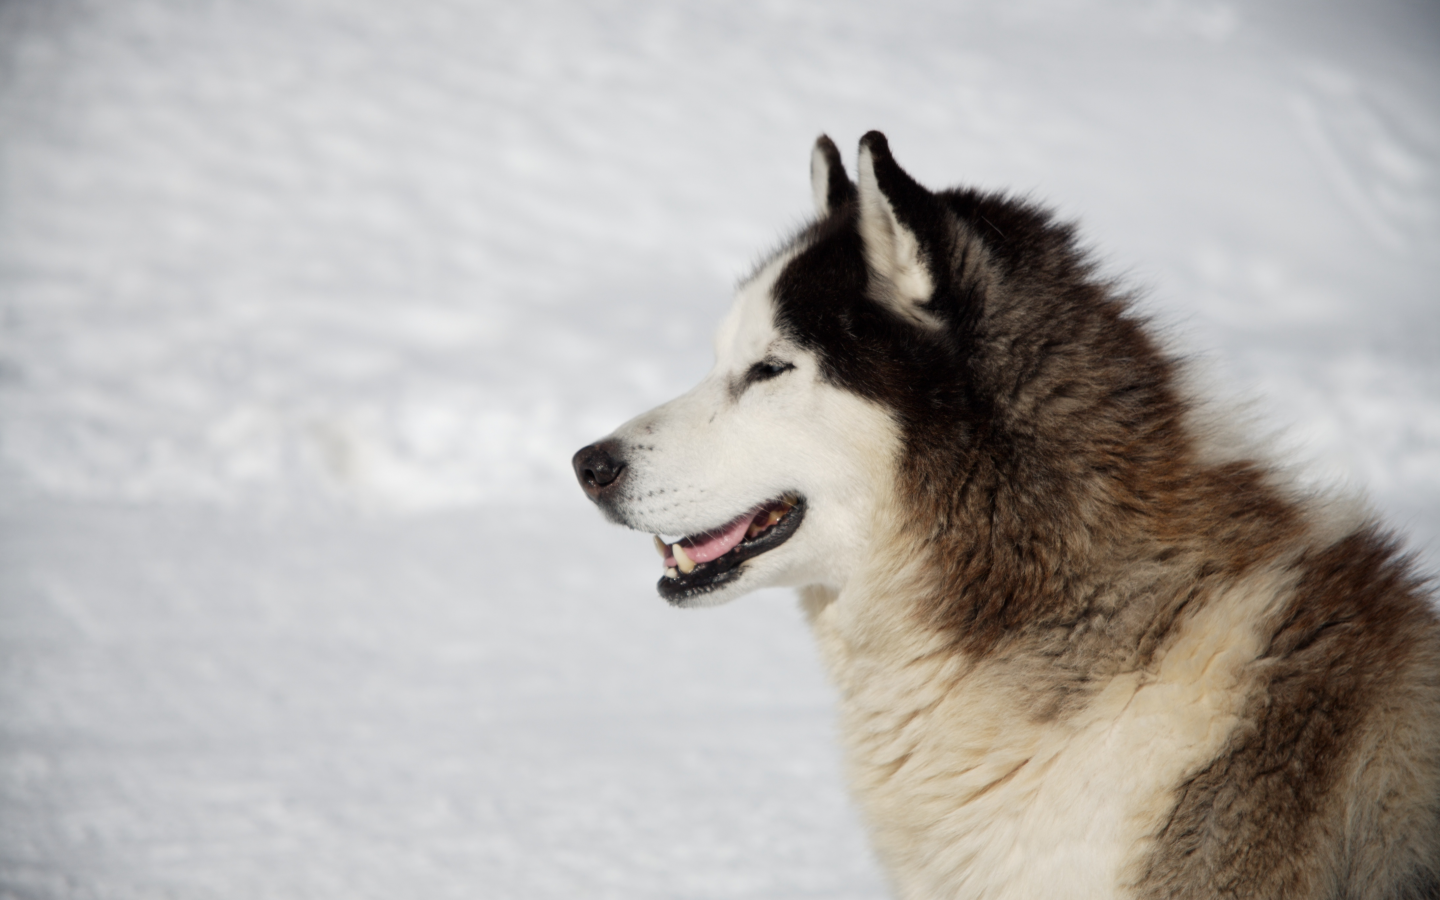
(1078, 497)
(1032, 581)
(1083, 654)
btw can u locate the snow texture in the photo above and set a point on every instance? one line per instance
(304, 306)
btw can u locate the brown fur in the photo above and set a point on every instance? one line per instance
(1060, 570)
(1350, 666)
(1067, 516)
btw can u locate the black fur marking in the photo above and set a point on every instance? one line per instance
(1061, 522)
(1043, 442)
(1047, 456)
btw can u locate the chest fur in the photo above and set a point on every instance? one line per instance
(971, 792)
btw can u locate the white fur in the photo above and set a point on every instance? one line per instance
(709, 455)
(968, 795)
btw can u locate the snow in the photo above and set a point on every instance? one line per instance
(305, 305)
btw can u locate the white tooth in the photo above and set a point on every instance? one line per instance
(686, 564)
(663, 550)
(671, 573)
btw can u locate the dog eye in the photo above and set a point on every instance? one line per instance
(766, 369)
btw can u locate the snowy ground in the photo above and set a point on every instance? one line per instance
(305, 305)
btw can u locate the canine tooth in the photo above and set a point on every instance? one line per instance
(671, 573)
(774, 517)
(660, 547)
(686, 564)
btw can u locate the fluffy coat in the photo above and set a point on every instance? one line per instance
(1079, 651)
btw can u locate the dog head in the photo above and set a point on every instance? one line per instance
(842, 357)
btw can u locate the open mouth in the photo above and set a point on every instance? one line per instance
(705, 561)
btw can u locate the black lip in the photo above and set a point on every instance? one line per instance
(716, 573)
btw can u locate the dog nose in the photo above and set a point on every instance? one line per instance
(597, 468)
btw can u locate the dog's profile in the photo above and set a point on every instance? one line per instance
(1082, 647)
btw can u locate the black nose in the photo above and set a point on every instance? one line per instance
(598, 468)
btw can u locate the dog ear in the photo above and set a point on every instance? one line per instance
(831, 186)
(897, 216)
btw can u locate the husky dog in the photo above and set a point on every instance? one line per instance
(1082, 648)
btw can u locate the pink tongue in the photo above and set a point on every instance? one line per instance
(705, 547)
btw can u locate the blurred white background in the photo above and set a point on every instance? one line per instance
(304, 306)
